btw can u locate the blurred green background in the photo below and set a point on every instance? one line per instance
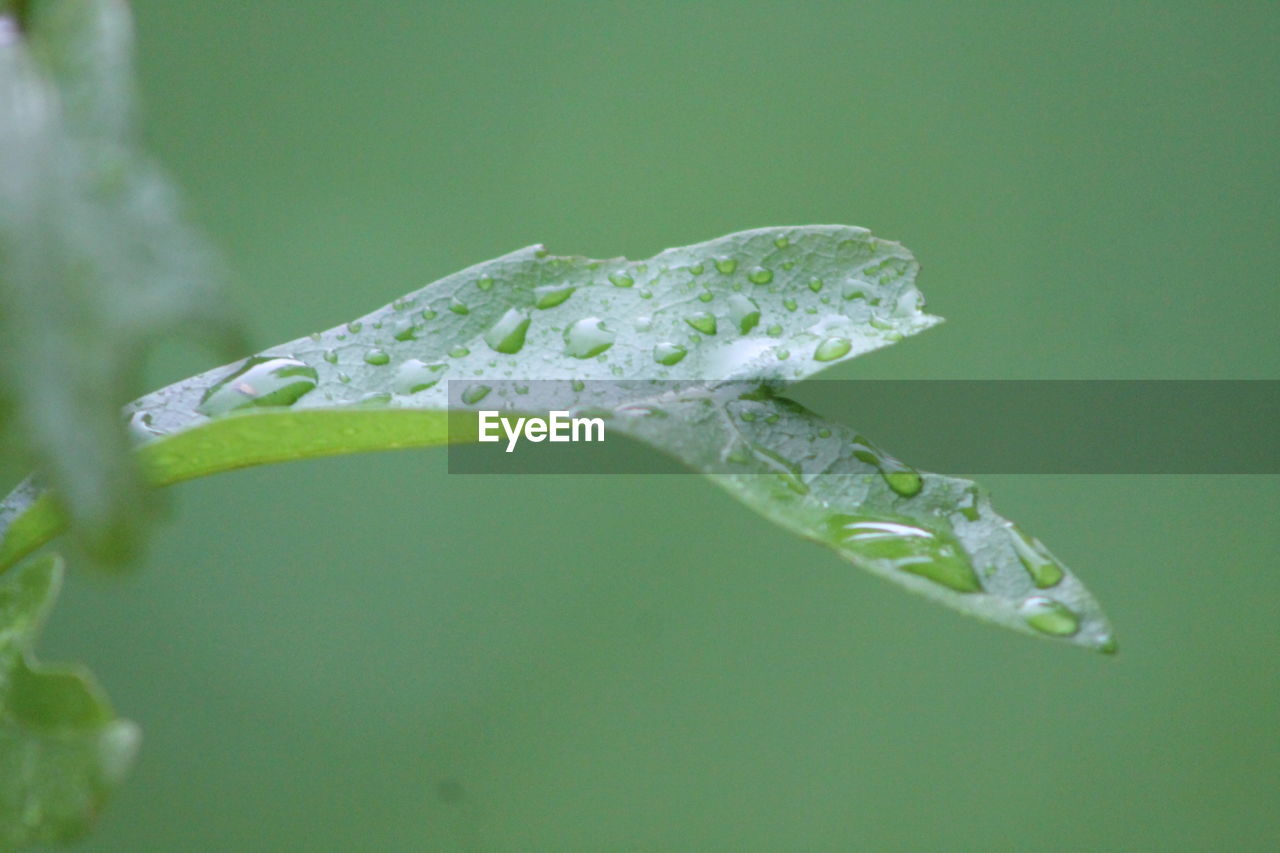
(369, 654)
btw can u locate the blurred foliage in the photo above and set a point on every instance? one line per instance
(96, 262)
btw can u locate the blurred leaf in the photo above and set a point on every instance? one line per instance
(95, 261)
(717, 326)
(62, 750)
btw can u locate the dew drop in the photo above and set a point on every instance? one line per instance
(587, 337)
(697, 269)
(473, 394)
(831, 349)
(669, 353)
(406, 331)
(1049, 617)
(428, 314)
(1045, 571)
(485, 283)
(726, 265)
(783, 354)
(459, 352)
(905, 548)
(789, 304)
(781, 242)
(621, 280)
(760, 275)
(706, 296)
(774, 331)
(744, 312)
(824, 433)
(702, 321)
(331, 356)
(354, 326)
(260, 381)
(507, 335)
(551, 295)
(414, 375)
(457, 306)
(901, 478)
(852, 291)
(377, 357)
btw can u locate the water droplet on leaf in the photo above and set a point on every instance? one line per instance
(1049, 617)
(260, 381)
(831, 349)
(906, 548)
(507, 335)
(587, 337)
(669, 353)
(702, 321)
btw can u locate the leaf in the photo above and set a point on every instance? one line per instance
(779, 305)
(62, 750)
(95, 261)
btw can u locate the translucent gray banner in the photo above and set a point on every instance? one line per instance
(947, 426)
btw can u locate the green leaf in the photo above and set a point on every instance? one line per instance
(744, 313)
(95, 261)
(62, 750)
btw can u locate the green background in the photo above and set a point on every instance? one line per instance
(370, 654)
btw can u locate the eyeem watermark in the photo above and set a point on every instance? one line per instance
(557, 426)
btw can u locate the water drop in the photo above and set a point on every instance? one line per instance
(507, 335)
(815, 285)
(744, 312)
(459, 352)
(428, 314)
(760, 275)
(783, 354)
(905, 548)
(748, 416)
(697, 269)
(831, 349)
(703, 322)
(1045, 571)
(587, 337)
(669, 354)
(774, 331)
(485, 283)
(457, 306)
(473, 394)
(551, 295)
(789, 304)
(377, 357)
(852, 291)
(726, 265)
(354, 326)
(413, 376)
(824, 433)
(706, 296)
(781, 242)
(406, 331)
(260, 381)
(578, 385)
(901, 478)
(331, 356)
(621, 280)
(1049, 617)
